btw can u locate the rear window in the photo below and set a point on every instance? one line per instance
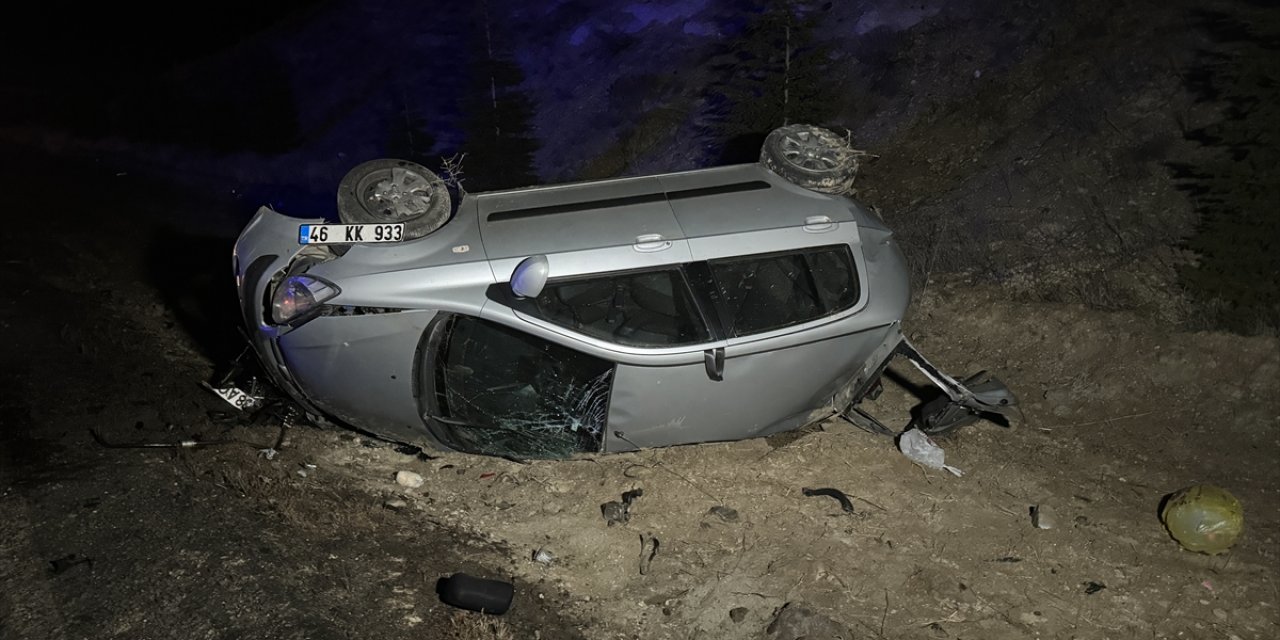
(639, 308)
(767, 292)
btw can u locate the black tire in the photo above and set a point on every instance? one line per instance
(388, 191)
(811, 157)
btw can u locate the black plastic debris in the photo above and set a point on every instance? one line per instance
(616, 512)
(630, 496)
(476, 594)
(68, 562)
(1092, 587)
(840, 496)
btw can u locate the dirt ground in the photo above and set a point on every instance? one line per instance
(1116, 417)
(221, 542)
(103, 330)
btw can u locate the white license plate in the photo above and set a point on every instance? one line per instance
(349, 233)
(236, 397)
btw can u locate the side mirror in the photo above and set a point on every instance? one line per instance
(530, 276)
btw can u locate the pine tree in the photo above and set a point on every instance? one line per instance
(772, 73)
(408, 136)
(497, 116)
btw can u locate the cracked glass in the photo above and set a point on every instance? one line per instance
(504, 392)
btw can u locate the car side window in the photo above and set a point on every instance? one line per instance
(773, 291)
(640, 308)
(504, 392)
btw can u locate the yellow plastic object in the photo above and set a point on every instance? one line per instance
(1204, 518)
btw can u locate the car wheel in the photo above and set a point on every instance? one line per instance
(389, 191)
(811, 157)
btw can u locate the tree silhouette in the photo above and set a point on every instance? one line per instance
(409, 136)
(497, 115)
(773, 72)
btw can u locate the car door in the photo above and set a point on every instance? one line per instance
(792, 338)
(617, 289)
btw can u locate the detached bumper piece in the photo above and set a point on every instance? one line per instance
(979, 396)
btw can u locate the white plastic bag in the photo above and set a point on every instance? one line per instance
(920, 448)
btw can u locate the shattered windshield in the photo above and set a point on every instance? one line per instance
(507, 393)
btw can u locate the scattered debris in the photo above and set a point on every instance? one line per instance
(542, 556)
(738, 614)
(1092, 587)
(726, 514)
(1203, 518)
(68, 562)
(1042, 517)
(272, 451)
(409, 479)
(921, 449)
(415, 451)
(845, 504)
(648, 551)
(795, 622)
(190, 443)
(616, 512)
(1009, 559)
(486, 475)
(395, 504)
(476, 594)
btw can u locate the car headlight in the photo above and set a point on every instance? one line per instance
(297, 296)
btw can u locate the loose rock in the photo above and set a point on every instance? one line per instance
(727, 514)
(1042, 517)
(409, 479)
(738, 614)
(795, 622)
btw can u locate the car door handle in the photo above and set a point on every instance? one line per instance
(651, 242)
(714, 361)
(818, 224)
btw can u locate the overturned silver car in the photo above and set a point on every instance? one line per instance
(604, 316)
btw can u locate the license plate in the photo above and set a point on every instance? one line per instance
(235, 397)
(349, 233)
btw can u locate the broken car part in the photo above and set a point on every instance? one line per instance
(476, 594)
(845, 504)
(181, 444)
(605, 316)
(616, 512)
(68, 562)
